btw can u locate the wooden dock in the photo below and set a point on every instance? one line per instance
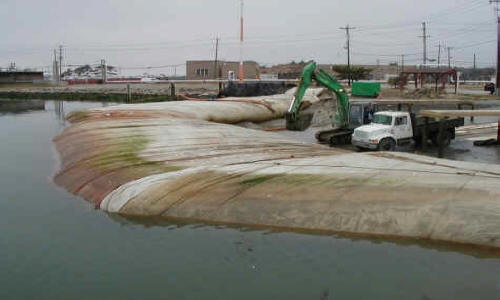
(443, 114)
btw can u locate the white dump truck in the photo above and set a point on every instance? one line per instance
(389, 129)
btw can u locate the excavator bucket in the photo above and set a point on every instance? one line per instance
(298, 122)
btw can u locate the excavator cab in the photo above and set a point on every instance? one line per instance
(361, 113)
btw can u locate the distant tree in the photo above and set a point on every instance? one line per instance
(67, 72)
(293, 62)
(355, 72)
(394, 81)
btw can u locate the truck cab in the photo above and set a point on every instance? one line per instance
(386, 130)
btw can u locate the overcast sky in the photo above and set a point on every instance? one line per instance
(133, 33)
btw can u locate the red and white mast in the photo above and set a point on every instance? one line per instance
(241, 72)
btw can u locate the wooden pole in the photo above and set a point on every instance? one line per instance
(472, 117)
(173, 95)
(424, 134)
(498, 55)
(498, 132)
(440, 138)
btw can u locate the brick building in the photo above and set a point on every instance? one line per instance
(206, 69)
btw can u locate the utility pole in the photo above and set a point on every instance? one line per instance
(55, 69)
(348, 35)
(424, 37)
(216, 62)
(449, 56)
(241, 71)
(498, 46)
(439, 54)
(60, 60)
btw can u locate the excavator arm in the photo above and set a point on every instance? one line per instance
(298, 122)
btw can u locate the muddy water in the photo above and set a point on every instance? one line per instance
(56, 246)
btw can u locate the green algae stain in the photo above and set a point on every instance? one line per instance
(322, 180)
(125, 154)
(78, 116)
(257, 180)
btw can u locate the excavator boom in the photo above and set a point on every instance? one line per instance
(297, 121)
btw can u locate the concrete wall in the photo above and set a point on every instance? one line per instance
(205, 69)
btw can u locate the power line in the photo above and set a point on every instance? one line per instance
(474, 44)
(152, 67)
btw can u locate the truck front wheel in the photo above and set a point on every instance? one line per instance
(387, 144)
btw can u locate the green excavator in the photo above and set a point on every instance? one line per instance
(348, 115)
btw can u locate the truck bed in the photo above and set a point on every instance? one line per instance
(433, 125)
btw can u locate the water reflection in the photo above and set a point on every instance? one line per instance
(59, 111)
(20, 106)
(175, 223)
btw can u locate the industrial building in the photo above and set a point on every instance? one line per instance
(209, 69)
(20, 77)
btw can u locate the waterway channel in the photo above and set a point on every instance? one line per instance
(54, 245)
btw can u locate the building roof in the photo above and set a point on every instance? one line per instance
(221, 61)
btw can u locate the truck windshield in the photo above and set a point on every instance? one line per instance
(382, 119)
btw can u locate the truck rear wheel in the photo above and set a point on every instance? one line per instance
(446, 139)
(387, 144)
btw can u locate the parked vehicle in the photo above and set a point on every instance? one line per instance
(389, 129)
